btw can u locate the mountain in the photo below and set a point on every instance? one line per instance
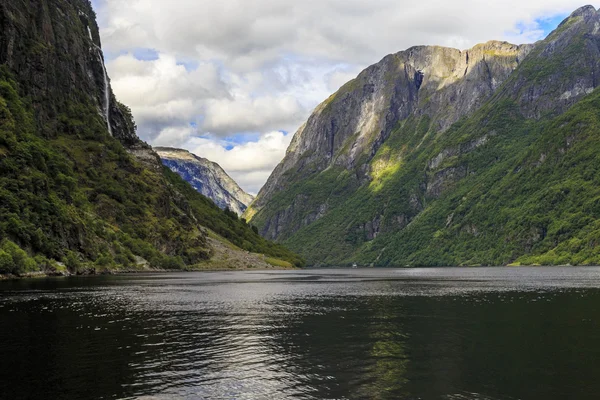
(436, 156)
(207, 178)
(79, 191)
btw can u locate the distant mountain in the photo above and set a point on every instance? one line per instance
(206, 177)
(436, 156)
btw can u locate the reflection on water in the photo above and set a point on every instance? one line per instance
(323, 334)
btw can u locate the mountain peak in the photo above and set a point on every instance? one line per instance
(584, 11)
(207, 177)
(349, 128)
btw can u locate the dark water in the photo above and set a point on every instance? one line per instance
(324, 334)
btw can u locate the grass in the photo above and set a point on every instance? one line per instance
(279, 263)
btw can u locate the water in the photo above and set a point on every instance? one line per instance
(323, 334)
(106, 104)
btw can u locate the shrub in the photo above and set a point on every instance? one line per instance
(72, 261)
(15, 260)
(6, 263)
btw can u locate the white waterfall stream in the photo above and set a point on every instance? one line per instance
(106, 104)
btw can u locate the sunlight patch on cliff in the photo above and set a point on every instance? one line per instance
(382, 170)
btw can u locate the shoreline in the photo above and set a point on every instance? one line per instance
(44, 275)
(92, 273)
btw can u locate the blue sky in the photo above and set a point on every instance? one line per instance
(231, 80)
(549, 24)
(545, 24)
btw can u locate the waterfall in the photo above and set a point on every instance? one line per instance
(106, 93)
(106, 104)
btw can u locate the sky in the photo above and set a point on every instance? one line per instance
(232, 80)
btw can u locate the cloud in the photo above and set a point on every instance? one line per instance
(163, 93)
(196, 72)
(245, 114)
(247, 35)
(166, 97)
(173, 136)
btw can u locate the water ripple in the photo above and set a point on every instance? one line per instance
(339, 334)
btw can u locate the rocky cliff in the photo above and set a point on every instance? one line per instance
(207, 178)
(389, 153)
(54, 46)
(78, 190)
(348, 129)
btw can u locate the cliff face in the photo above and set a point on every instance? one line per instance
(78, 189)
(54, 46)
(207, 177)
(387, 152)
(349, 128)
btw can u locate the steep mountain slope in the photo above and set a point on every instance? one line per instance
(78, 189)
(440, 157)
(207, 178)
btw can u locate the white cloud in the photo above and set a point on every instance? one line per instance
(173, 136)
(337, 78)
(261, 66)
(244, 114)
(164, 94)
(246, 35)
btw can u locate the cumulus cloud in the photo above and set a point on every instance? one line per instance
(173, 136)
(246, 35)
(227, 68)
(163, 93)
(166, 97)
(245, 114)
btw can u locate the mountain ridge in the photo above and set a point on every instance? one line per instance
(370, 133)
(207, 177)
(346, 191)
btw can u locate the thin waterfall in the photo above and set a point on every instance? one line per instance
(106, 104)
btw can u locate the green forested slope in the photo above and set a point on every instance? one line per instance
(531, 194)
(227, 224)
(79, 196)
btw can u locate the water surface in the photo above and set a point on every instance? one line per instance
(482, 333)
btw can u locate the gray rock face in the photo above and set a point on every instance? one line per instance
(561, 70)
(207, 178)
(435, 83)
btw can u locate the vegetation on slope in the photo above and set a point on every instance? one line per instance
(77, 198)
(514, 182)
(228, 225)
(530, 195)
